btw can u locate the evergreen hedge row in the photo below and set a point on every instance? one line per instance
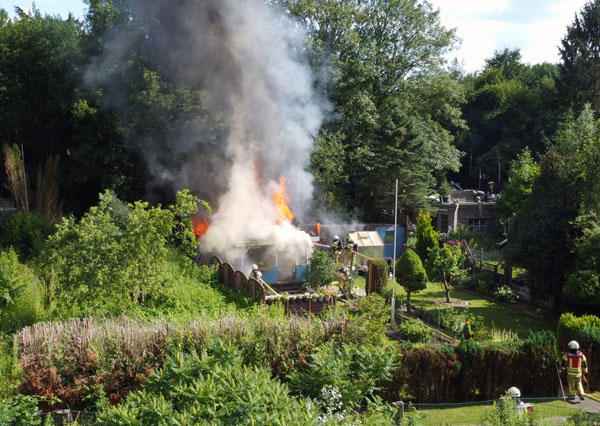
(472, 371)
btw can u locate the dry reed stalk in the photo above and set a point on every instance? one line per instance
(15, 174)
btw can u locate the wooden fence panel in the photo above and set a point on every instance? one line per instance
(239, 279)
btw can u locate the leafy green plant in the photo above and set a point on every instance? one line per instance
(21, 410)
(25, 232)
(355, 371)
(321, 271)
(505, 294)
(414, 331)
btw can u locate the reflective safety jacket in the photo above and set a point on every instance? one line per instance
(256, 274)
(575, 363)
(336, 246)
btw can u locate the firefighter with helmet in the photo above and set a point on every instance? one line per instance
(336, 247)
(256, 274)
(521, 407)
(576, 365)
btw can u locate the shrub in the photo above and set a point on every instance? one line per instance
(95, 266)
(355, 371)
(505, 294)
(379, 268)
(586, 330)
(211, 387)
(321, 271)
(368, 324)
(414, 331)
(26, 232)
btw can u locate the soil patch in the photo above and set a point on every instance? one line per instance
(457, 303)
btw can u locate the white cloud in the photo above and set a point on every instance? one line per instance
(485, 26)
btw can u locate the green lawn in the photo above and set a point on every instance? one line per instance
(500, 316)
(471, 414)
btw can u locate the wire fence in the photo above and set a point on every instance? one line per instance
(555, 410)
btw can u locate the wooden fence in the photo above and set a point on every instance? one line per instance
(299, 304)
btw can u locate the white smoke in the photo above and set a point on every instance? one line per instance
(246, 59)
(273, 118)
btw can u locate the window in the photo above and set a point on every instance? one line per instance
(443, 223)
(476, 225)
(389, 237)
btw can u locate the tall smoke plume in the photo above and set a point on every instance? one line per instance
(246, 59)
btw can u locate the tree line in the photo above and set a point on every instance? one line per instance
(398, 111)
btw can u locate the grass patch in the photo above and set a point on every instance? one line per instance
(494, 315)
(474, 414)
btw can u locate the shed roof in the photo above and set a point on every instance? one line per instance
(366, 238)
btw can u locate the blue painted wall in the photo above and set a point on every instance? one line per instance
(388, 249)
(302, 273)
(270, 276)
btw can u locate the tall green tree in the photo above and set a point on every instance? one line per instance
(394, 108)
(579, 81)
(541, 237)
(410, 274)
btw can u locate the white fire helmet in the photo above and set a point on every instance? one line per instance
(254, 267)
(573, 344)
(514, 392)
(336, 237)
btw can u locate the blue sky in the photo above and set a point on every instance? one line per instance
(534, 26)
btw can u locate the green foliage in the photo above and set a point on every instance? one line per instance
(355, 371)
(26, 232)
(368, 324)
(21, 410)
(521, 176)
(95, 266)
(379, 268)
(540, 238)
(414, 331)
(411, 274)
(504, 413)
(12, 279)
(213, 387)
(505, 294)
(383, 67)
(583, 419)
(426, 236)
(9, 374)
(321, 271)
(445, 264)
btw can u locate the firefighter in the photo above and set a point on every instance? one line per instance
(520, 406)
(336, 248)
(256, 274)
(467, 333)
(576, 365)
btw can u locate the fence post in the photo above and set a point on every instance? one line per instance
(399, 417)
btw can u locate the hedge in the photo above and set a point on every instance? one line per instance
(472, 371)
(379, 268)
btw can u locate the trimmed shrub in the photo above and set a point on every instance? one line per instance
(380, 275)
(411, 274)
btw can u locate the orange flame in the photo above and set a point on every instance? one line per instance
(200, 224)
(281, 200)
(319, 229)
